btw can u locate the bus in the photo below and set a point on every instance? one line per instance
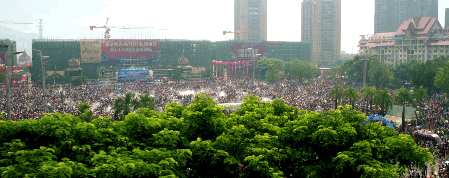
(426, 135)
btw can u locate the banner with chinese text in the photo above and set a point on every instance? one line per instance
(134, 50)
(90, 51)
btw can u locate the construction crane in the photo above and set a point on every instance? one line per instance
(11, 22)
(238, 33)
(108, 28)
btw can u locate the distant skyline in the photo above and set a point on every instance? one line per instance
(193, 20)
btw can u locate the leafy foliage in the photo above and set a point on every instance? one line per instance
(442, 78)
(337, 94)
(352, 95)
(379, 73)
(384, 100)
(266, 63)
(272, 74)
(262, 139)
(300, 69)
(207, 73)
(403, 96)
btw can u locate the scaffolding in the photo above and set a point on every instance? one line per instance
(199, 53)
(11, 50)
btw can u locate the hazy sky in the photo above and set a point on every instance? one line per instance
(184, 19)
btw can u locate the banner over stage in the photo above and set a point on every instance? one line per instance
(134, 50)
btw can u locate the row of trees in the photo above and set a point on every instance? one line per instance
(380, 74)
(262, 139)
(295, 69)
(382, 98)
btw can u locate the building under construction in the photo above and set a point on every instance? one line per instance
(98, 59)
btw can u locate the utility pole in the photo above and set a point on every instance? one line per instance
(254, 65)
(365, 60)
(43, 74)
(364, 71)
(8, 79)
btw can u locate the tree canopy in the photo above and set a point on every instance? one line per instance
(297, 69)
(442, 78)
(262, 139)
(266, 63)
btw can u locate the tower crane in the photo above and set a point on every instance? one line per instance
(108, 28)
(11, 22)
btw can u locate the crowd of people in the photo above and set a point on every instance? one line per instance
(31, 103)
(313, 95)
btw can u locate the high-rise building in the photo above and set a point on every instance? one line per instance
(389, 14)
(447, 18)
(250, 20)
(321, 26)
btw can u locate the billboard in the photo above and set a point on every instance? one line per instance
(90, 51)
(131, 50)
(246, 53)
(135, 73)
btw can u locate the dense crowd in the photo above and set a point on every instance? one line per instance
(31, 103)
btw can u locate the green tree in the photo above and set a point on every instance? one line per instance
(53, 78)
(383, 100)
(426, 73)
(405, 71)
(266, 63)
(144, 101)
(207, 73)
(272, 75)
(204, 118)
(368, 94)
(178, 75)
(352, 95)
(300, 69)
(83, 107)
(77, 81)
(85, 114)
(123, 106)
(379, 73)
(403, 96)
(442, 78)
(420, 96)
(336, 93)
(1, 77)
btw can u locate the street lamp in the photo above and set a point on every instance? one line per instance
(254, 64)
(8, 78)
(43, 74)
(365, 60)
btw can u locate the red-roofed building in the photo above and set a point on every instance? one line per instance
(421, 38)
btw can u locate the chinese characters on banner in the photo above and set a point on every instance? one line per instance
(131, 49)
(96, 51)
(90, 51)
(245, 53)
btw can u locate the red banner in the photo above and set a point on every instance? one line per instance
(146, 50)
